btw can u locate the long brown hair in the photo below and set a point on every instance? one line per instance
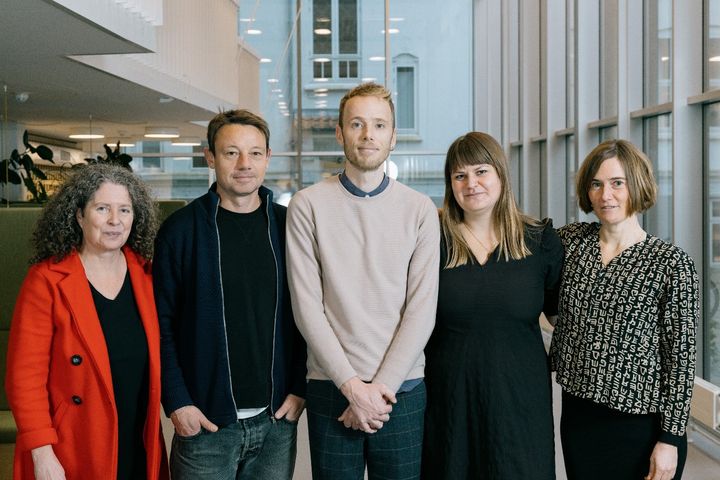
(475, 148)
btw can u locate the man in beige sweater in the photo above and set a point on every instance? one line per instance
(363, 263)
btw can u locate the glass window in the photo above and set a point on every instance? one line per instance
(515, 70)
(354, 52)
(570, 63)
(542, 59)
(657, 52)
(150, 163)
(608, 133)
(608, 57)
(711, 279)
(712, 45)
(348, 26)
(657, 144)
(199, 162)
(571, 205)
(334, 38)
(516, 173)
(322, 27)
(406, 99)
(431, 42)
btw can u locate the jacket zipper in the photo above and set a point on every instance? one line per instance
(222, 302)
(275, 319)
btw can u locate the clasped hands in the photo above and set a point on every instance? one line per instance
(370, 405)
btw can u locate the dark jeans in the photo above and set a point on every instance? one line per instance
(340, 453)
(257, 448)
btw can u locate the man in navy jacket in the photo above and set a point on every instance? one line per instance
(233, 362)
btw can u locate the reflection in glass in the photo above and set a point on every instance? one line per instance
(405, 107)
(516, 173)
(423, 172)
(608, 57)
(570, 63)
(571, 205)
(348, 24)
(657, 52)
(431, 60)
(712, 45)
(711, 280)
(608, 133)
(515, 70)
(322, 27)
(343, 44)
(657, 144)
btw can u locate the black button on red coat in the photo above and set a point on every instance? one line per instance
(76, 360)
(76, 400)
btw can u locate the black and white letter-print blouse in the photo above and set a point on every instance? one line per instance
(625, 333)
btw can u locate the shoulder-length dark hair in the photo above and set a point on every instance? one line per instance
(475, 148)
(58, 233)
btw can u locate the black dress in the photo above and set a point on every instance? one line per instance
(489, 407)
(128, 352)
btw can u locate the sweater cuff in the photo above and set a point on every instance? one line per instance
(299, 387)
(670, 439)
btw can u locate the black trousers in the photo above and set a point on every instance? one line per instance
(601, 443)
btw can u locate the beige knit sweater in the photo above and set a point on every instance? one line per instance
(363, 276)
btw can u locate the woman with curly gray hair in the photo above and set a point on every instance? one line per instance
(83, 373)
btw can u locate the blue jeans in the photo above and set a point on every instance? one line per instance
(339, 453)
(257, 448)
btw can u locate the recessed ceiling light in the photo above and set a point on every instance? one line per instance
(714, 59)
(322, 31)
(321, 90)
(320, 79)
(368, 79)
(124, 142)
(273, 80)
(377, 59)
(321, 60)
(321, 94)
(187, 142)
(265, 60)
(254, 31)
(276, 90)
(392, 31)
(86, 133)
(161, 132)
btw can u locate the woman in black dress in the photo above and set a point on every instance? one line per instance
(489, 407)
(624, 344)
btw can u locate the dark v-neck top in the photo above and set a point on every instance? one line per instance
(127, 349)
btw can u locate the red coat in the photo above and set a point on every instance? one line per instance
(59, 399)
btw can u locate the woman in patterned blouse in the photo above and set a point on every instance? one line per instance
(624, 343)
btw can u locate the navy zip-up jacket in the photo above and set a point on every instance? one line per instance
(189, 298)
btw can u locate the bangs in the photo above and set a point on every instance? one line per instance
(466, 154)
